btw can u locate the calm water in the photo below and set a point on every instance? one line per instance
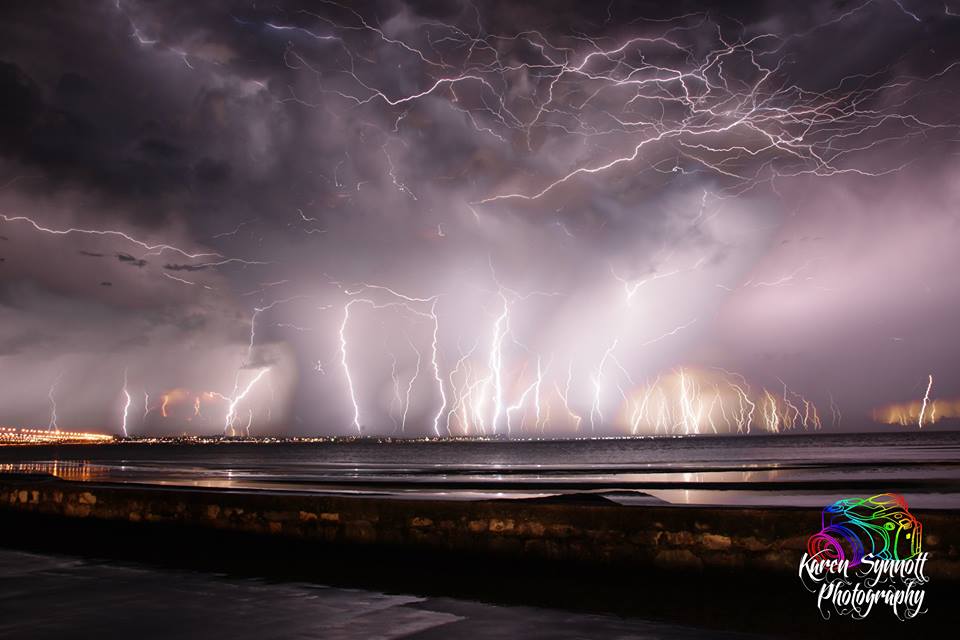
(802, 470)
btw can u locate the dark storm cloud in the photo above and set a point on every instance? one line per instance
(185, 267)
(129, 259)
(181, 124)
(91, 109)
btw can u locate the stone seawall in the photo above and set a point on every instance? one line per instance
(668, 537)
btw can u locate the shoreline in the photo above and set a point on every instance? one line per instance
(585, 529)
(721, 567)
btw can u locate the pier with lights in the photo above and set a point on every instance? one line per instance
(19, 435)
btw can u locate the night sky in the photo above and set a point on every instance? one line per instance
(451, 217)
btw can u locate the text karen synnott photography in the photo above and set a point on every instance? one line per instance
(868, 553)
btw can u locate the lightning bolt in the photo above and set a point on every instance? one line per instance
(436, 370)
(52, 426)
(126, 405)
(238, 398)
(346, 366)
(719, 104)
(926, 400)
(413, 379)
(159, 248)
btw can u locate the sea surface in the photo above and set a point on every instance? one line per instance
(781, 470)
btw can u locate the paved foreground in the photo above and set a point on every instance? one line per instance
(47, 596)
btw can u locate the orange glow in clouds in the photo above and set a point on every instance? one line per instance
(907, 414)
(186, 403)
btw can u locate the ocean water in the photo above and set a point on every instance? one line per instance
(45, 595)
(798, 470)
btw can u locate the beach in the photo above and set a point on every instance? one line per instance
(594, 532)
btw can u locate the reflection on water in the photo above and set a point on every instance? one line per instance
(799, 470)
(68, 470)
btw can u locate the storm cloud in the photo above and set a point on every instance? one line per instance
(453, 217)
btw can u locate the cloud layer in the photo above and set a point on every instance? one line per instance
(474, 217)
